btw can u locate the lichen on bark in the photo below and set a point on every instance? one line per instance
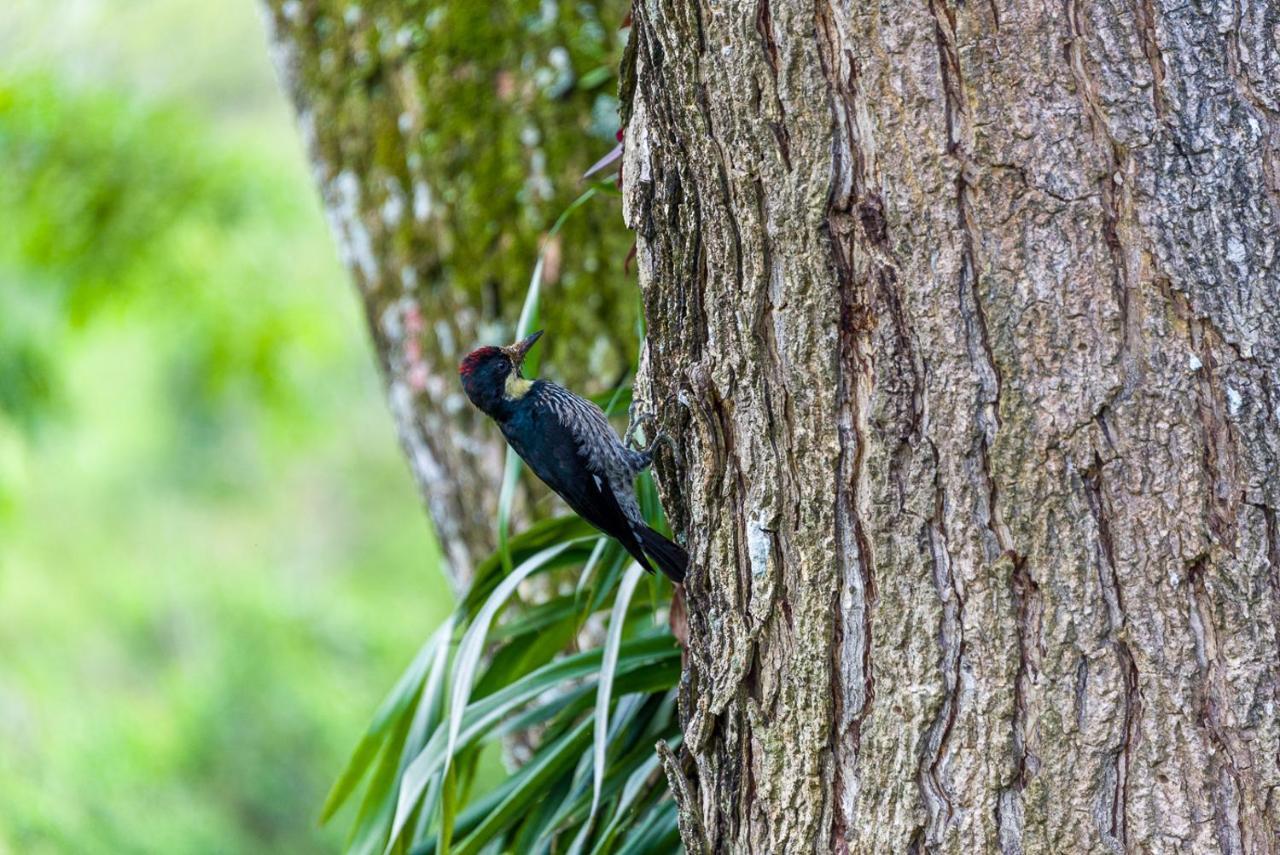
(445, 138)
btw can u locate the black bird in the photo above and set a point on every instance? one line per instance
(568, 443)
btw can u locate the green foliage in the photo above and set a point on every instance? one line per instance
(591, 783)
(118, 207)
(593, 717)
(212, 558)
(493, 112)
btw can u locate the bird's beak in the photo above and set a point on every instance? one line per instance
(518, 350)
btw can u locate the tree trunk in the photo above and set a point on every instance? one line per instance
(972, 317)
(445, 138)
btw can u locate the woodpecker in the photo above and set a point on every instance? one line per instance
(568, 442)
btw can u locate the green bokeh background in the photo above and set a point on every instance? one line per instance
(213, 562)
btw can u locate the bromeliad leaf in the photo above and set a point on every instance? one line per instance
(482, 717)
(532, 540)
(608, 669)
(531, 780)
(392, 707)
(468, 659)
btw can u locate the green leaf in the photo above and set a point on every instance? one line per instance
(642, 654)
(625, 730)
(608, 670)
(535, 619)
(644, 777)
(596, 76)
(614, 401)
(426, 720)
(524, 327)
(639, 715)
(506, 498)
(389, 712)
(465, 665)
(658, 832)
(606, 583)
(525, 654)
(489, 573)
(528, 828)
(531, 782)
(590, 566)
(511, 469)
(370, 828)
(448, 808)
(427, 715)
(472, 646)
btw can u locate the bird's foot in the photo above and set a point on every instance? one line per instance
(637, 421)
(660, 438)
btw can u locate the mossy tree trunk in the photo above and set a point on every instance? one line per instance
(972, 317)
(445, 138)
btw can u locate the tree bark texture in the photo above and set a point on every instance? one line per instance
(445, 137)
(969, 317)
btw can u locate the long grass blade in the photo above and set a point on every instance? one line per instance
(642, 655)
(658, 832)
(534, 777)
(389, 711)
(473, 641)
(466, 663)
(643, 777)
(426, 716)
(427, 720)
(535, 538)
(506, 498)
(524, 327)
(534, 619)
(590, 566)
(513, 465)
(608, 669)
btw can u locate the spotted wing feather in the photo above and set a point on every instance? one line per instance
(599, 445)
(574, 457)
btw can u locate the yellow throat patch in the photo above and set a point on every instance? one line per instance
(516, 387)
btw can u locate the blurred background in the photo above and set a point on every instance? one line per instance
(213, 562)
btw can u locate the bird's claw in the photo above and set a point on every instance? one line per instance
(629, 438)
(663, 438)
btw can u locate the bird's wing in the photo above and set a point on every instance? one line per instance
(590, 426)
(572, 456)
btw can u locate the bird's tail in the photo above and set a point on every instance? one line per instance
(670, 557)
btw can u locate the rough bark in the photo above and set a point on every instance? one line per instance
(972, 316)
(445, 137)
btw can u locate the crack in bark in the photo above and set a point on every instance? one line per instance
(769, 46)
(1229, 818)
(1144, 14)
(1115, 186)
(1109, 581)
(933, 791)
(1029, 608)
(1217, 439)
(854, 383)
(987, 372)
(1271, 540)
(726, 191)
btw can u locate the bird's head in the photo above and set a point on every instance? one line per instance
(491, 375)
